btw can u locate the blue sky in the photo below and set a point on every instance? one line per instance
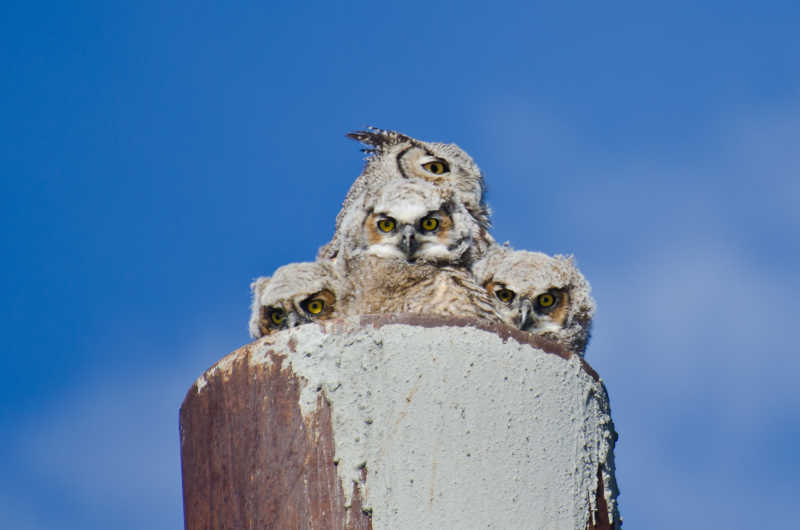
(156, 157)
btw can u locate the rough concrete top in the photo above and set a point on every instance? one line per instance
(451, 423)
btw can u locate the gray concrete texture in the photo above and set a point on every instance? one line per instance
(440, 423)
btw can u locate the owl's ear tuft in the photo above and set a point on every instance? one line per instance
(380, 139)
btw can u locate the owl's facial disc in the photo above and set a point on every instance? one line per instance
(518, 308)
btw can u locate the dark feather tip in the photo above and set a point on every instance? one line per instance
(378, 138)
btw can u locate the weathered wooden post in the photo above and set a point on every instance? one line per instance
(398, 422)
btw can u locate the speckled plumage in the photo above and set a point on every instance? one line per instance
(395, 156)
(290, 290)
(385, 285)
(532, 277)
(412, 237)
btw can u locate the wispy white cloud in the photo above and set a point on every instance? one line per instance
(110, 448)
(697, 346)
(700, 323)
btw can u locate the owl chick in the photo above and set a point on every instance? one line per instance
(395, 156)
(545, 295)
(378, 285)
(296, 294)
(417, 222)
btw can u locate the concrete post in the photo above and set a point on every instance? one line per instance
(398, 422)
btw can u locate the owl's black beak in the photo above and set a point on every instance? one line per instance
(525, 313)
(408, 243)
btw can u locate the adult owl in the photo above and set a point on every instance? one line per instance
(545, 295)
(395, 156)
(415, 221)
(295, 294)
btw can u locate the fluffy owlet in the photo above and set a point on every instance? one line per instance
(417, 222)
(545, 295)
(395, 156)
(296, 294)
(390, 285)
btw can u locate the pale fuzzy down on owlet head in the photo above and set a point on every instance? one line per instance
(395, 156)
(416, 222)
(378, 285)
(545, 295)
(296, 294)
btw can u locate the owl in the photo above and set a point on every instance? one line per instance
(395, 156)
(416, 221)
(545, 295)
(296, 294)
(379, 285)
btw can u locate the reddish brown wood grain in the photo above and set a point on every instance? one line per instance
(249, 461)
(600, 517)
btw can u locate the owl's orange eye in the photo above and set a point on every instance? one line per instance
(429, 224)
(277, 316)
(437, 167)
(386, 225)
(505, 295)
(545, 300)
(315, 306)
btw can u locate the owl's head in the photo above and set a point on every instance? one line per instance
(544, 295)
(415, 221)
(296, 294)
(394, 156)
(446, 165)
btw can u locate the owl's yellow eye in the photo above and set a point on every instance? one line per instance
(437, 167)
(504, 295)
(319, 304)
(277, 316)
(546, 300)
(315, 306)
(386, 225)
(429, 224)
